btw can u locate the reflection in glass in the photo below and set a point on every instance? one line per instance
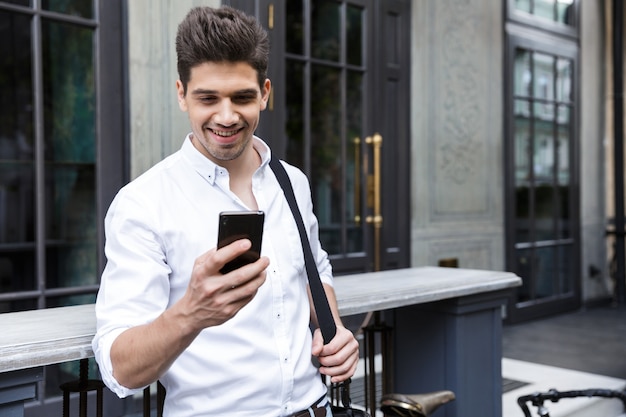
(18, 2)
(326, 169)
(565, 12)
(325, 39)
(354, 120)
(69, 134)
(526, 270)
(546, 271)
(69, 93)
(82, 8)
(354, 35)
(294, 29)
(523, 75)
(563, 80)
(545, 9)
(523, 5)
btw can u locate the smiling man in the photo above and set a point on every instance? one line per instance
(235, 344)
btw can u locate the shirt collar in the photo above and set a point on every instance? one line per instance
(208, 169)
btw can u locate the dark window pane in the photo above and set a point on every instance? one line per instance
(17, 203)
(545, 211)
(523, 75)
(565, 12)
(294, 30)
(82, 8)
(546, 264)
(17, 270)
(71, 211)
(16, 90)
(69, 93)
(326, 154)
(526, 270)
(354, 120)
(18, 305)
(294, 78)
(354, 35)
(325, 24)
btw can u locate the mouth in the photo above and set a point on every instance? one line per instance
(225, 136)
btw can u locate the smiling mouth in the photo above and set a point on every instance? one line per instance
(225, 133)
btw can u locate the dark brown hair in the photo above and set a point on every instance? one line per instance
(220, 35)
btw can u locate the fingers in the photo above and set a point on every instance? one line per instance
(339, 359)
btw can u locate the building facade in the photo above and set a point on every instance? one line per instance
(475, 134)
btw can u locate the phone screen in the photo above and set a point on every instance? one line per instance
(235, 225)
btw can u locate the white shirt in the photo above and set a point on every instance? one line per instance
(258, 363)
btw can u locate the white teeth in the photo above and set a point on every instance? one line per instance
(224, 134)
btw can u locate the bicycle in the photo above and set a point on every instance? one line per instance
(538, 398)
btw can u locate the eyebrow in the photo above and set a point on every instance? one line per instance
(245, 91)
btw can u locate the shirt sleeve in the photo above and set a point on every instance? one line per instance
(134, 286)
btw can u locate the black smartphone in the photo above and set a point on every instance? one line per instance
(235, 225)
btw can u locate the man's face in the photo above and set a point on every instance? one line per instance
(224, 102)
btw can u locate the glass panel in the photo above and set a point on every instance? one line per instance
(545, 9)
(525, 270)
(294, 39)
(69, 100)
(563, 174)
(294, 78)
(69, 94)
(523, 177)
(564, 80)
(18, 305)
(17, 270)
(543, 85)
(70, 206)
(82, 8)
(523, 76)
(546, 271)
(354, 121)
(523, 5)
(325, 24)
(16, 90)
(544, 212)
(354, 35)
(565, 12)
(566, 268)
(326, 175)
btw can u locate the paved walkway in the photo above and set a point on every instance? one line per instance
(590, 340)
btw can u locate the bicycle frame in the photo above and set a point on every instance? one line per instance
(553, 395)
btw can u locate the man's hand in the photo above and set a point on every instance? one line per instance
(213, 298)
(339, 358)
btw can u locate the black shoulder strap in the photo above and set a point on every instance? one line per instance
(322, 308)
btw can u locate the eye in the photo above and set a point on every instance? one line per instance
(244, 98)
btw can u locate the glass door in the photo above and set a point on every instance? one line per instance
(339, 72)
(543, 228)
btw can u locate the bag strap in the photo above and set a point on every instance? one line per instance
(322, 308)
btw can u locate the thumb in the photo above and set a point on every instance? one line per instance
(318, 342)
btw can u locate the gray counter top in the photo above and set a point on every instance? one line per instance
(42, 337)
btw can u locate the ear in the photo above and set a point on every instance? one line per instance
(265, 94)
(180, 92)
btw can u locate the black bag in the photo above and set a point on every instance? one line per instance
(322, 308)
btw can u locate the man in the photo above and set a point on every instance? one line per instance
(235, 344)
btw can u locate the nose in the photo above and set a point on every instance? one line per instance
(226, 114)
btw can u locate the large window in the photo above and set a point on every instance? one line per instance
(57, 173)
(543, 229)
